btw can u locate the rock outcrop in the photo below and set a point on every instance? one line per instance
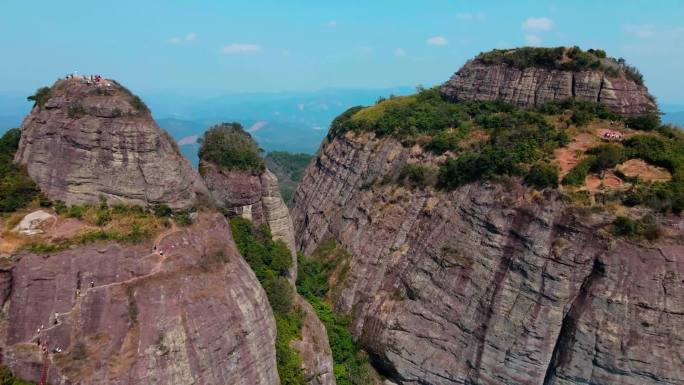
(88, 141)
(490, 283)
(255, 196)
(534, 86)
(124, 314)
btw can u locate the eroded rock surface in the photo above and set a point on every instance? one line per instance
(257, 198)
(88, 142)
(124, 314)
(534, 86)
(490, 283)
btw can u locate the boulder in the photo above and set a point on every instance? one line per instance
(32, 223)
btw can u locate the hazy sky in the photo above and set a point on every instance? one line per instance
(271, 45)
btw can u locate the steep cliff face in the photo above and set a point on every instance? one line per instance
(87, 141)
(255, 196)
(489, 283)
(123, 314)
(534, 86)
(251, 195)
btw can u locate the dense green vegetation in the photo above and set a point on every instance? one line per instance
(292, 163)
(516, 138)
(351, 365)
(41, 96)
(229, 146)
(645, 227)
(520, 142)
(289, 168)
(270, 262)
(16, 187)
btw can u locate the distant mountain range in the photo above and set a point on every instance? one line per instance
(283, 121)
(279, 121)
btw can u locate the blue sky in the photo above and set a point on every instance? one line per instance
(268, 45)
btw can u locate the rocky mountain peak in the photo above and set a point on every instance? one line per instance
(528, 77)
(88, 139)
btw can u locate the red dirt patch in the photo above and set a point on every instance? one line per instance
(609, 181)
(567, 157)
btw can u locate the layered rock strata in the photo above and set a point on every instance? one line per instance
(534, 86)
(490, 283)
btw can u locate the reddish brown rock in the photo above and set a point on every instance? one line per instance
(126, 315)
(256, 196)
(490, 283)
(534, 86)
(88, 142)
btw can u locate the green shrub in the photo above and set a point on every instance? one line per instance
(183, 219)
(581, 118)
(288, 361)
(103, 217)
(60, 207)
(413, 175)
(646, 227)
(542, 175)
(444, 141)
(41, 96)
(624, 226)
(270, 261)
(162, 210)
(227, 145)
(17, 189)
(606, 156)
(351, 365)
(280, 294)
(579, 173)
(76, 211)
(647, 122)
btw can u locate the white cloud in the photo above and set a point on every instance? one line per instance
(399, 52)
(257, 126)
(437, 40)
(533, 40)
(365, 49)
(537, 24)
(192, 139)
(331, 24)
(641, 31)
(185, 39)
(467, 16)
(238, 48)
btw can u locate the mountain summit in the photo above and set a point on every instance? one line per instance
(87, 140)
(529, 76)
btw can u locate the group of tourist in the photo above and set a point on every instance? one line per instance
(611, 135)
(89, 80)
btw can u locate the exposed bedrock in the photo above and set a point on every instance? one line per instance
(490, 283)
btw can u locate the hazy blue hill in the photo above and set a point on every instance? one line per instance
(279, 121)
